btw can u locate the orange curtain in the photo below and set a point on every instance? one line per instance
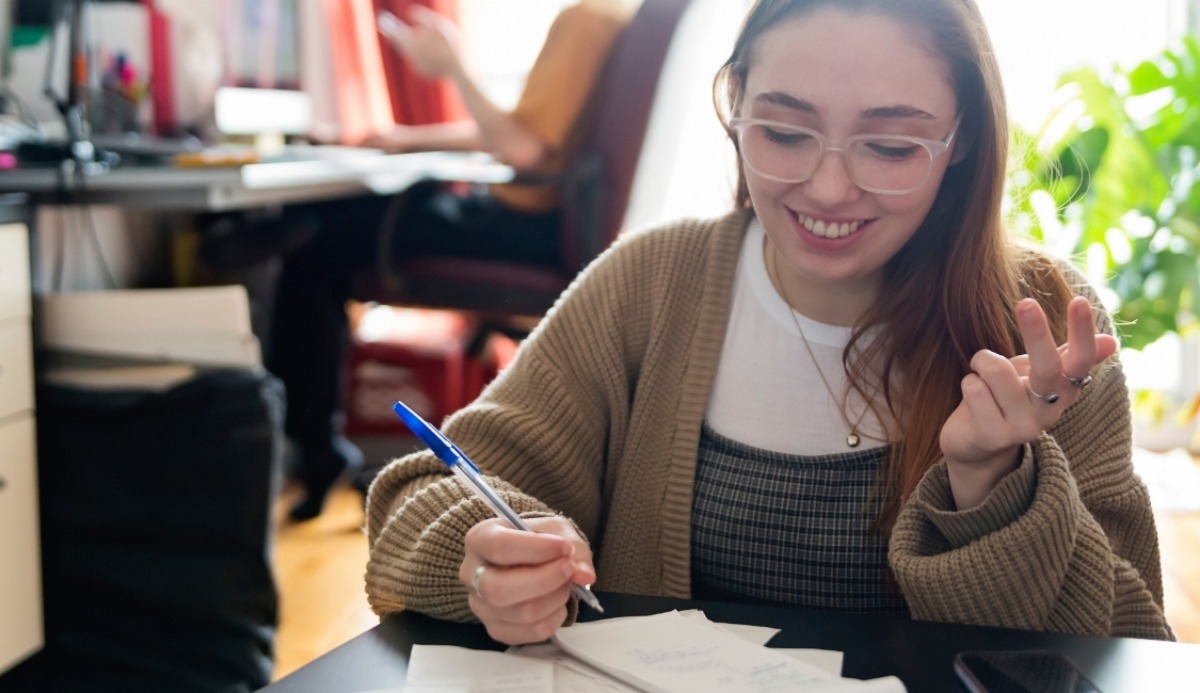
(416, 100)
(361, 90)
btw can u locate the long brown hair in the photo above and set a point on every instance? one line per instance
(961, 255)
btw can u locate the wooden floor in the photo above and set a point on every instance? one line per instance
(319, 566)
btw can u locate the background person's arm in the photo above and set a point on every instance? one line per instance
(431, 43)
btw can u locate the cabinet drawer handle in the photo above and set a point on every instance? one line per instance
(3, 483)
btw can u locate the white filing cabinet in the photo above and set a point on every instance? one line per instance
(21, 633)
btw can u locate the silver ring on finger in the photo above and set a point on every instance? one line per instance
(475, 580)
(1049, 398)
(1079, 382)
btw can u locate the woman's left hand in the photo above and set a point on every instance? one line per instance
(1009, 402)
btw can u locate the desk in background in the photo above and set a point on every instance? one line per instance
(920, 653)
(156, 189)
(222, 188)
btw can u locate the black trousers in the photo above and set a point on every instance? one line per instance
(309, 335)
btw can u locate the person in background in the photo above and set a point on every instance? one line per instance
(853, 392)
(327, 242)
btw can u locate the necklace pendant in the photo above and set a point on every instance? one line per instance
(853, 440)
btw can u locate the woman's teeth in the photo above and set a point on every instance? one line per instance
(830, 229)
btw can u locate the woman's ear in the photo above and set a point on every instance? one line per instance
(958, 151)
(967, 137)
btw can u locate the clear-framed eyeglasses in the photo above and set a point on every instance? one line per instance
(884, 164)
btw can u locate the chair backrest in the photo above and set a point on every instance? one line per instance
(600, 179)
(595, 192)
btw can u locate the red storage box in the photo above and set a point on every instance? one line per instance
(419, 357)
(416, 356)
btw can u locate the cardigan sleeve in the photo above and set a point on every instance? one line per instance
(417, 550)
(1065, 543)
(524, 434)
(541, 432)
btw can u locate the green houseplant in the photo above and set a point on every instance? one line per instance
(1112, 179)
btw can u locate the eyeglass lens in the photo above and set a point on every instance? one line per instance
(877, 163)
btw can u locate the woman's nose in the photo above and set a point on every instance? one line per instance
(831, 182)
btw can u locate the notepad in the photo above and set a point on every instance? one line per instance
(661, 653)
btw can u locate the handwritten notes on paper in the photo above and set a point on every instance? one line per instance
(665, 652)
(668, 652)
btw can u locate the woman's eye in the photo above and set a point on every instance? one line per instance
(892, 149)
(785, 137)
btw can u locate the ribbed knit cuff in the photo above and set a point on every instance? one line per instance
(1005, 503)
(416, 554)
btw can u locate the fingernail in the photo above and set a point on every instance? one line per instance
(568, 569)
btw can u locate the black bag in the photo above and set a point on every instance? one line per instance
(156, 512)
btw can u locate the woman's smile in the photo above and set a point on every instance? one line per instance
(829, 228)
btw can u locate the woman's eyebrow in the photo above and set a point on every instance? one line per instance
(897, 111)
(778, 98)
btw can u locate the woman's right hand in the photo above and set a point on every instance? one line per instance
(430, 41)
(521, 593)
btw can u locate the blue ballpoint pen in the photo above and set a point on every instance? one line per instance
(466, 470)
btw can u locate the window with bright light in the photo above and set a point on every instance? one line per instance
(1037, 40)
(504, 37)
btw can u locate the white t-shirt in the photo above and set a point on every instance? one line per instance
(767, 393)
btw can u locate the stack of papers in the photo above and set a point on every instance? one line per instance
(673, 651)
(208, 326)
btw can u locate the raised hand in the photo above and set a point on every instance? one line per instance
(519, 582)
(430, 41)
(1009, 402)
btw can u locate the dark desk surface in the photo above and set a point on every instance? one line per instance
(921, 654)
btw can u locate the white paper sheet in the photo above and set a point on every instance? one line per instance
(675, 651)
(570, 674)
(447, 669)
(827, 660)
(670, 652)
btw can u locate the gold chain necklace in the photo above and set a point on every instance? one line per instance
(853, 439)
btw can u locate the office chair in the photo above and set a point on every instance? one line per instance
(595, 193)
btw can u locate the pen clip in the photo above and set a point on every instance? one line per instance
(461, 455)
(441, 446)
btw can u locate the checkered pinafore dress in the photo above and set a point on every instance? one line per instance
(776, 528)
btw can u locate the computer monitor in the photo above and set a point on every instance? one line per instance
(262, 44)
(250, 111)
(261, 93)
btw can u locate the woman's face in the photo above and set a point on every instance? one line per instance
(844, 74)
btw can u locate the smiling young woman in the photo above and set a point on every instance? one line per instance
(854, 391)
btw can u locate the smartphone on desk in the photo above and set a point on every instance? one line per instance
(1021, 671)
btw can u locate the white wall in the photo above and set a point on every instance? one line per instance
(686, 167)
(1037, 40)
(504, 39)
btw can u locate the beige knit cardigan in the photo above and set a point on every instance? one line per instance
(598, 418)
